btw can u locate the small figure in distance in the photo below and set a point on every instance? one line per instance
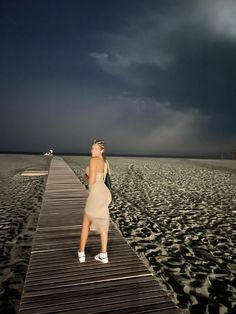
(50, 153)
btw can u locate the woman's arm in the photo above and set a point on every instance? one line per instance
(92, 170)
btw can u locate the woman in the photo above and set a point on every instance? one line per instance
(96, 212)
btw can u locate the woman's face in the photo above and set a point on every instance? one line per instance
(96, 150)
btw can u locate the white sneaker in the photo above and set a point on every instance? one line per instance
(81, 256)
(102, 257)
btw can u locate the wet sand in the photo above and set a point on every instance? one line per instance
(20, 203)
(179, 217)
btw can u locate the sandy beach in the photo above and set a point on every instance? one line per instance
(177, 214)
(179, 217)
(20, 203)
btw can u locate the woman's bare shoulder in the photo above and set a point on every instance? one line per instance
(94, 160)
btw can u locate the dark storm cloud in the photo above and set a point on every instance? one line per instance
(158, 74)
(184, 55)
(180, 61)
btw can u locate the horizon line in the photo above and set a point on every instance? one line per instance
(218, 155)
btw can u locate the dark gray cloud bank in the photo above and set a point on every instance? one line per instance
(149, 77)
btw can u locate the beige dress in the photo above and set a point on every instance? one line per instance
(96, 206)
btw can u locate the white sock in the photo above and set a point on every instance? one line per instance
(103, 254)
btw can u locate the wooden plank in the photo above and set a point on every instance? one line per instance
(57, 283)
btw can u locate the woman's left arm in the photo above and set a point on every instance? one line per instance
(92, 170)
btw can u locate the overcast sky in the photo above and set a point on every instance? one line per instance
(147, 77)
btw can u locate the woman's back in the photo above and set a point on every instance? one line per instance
(100, 165)
(101, 170)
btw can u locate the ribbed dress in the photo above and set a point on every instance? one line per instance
(97, 203)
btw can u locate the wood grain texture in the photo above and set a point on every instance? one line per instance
(57, 283)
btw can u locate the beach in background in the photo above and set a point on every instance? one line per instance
(177, 214)
(179, 217)
(20, 203)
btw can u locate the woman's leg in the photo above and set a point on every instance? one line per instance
(104, 236)
(84, 232)
(102, 255)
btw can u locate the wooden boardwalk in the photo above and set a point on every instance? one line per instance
(57, 283)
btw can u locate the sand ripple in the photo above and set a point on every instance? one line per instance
(179, 217)
(20, 202)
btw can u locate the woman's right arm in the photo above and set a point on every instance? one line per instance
(92, 170)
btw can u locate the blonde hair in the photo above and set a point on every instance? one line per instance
(101, 144)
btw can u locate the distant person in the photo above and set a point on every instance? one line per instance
(96, 212)
(50, 153)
